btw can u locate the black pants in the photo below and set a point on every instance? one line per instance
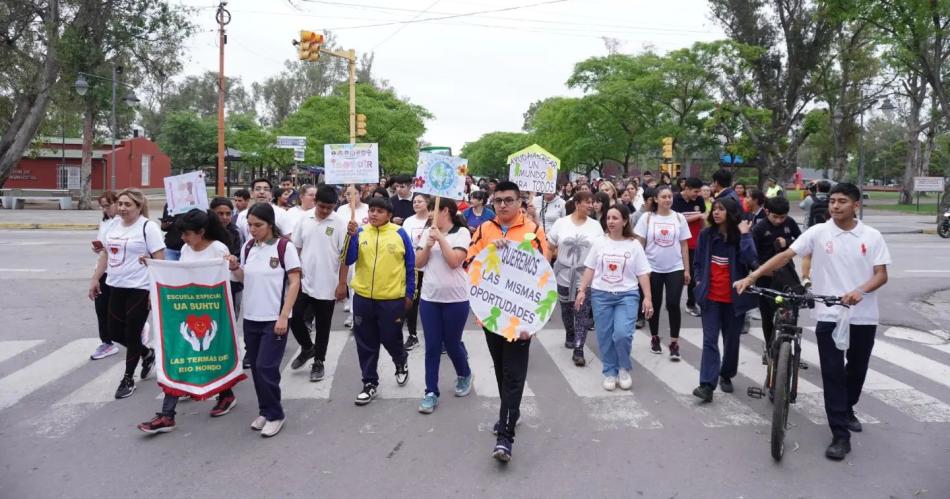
(691, 287)
(102, 310)
(843, 373)
(309, 310)
(673, 282)
(767, 310)
(412, 316)
(128, 312)
(511, 371)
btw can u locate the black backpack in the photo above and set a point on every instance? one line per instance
(818, 213)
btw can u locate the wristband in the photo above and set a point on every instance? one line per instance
(863, 292)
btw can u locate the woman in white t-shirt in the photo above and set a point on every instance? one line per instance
(205, 238)
(444, 299)
(107, 202)
(131, 239)
(615, 264)
(270, 269)
(570, 239)
(664, 234)
(414, 227)
(352, 194)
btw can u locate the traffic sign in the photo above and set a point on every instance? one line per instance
(291, 142)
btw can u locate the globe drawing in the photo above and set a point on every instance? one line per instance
(441, 176)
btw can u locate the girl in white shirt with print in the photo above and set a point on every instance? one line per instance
(615, 264)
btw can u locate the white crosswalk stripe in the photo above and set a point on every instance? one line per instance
(916, 404)
(44, 371)
(297, 385)
(619, 408)
(12, 348)
(479, 361)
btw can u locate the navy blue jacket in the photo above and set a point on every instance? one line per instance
(740, 259)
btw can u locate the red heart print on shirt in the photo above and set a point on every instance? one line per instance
(200, 325)
(665, 232)
(612, 267)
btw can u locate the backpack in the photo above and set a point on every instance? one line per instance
(818, 212)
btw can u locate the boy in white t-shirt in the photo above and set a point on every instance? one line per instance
(849, 259)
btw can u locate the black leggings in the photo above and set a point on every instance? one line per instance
(102, 310)
(673, 281)
(128, 312)
(412, 316)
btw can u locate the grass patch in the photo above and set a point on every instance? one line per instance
(925, 209)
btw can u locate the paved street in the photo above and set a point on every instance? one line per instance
(63, 435)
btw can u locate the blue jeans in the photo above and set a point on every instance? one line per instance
(442, 324)
(719, 317)
(172, 255)
(615, 315)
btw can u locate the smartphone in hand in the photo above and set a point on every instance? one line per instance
(97, 245)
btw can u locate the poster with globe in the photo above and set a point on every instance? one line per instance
(440, 175)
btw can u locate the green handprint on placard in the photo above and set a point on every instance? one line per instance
(491, 322)
(546, 305)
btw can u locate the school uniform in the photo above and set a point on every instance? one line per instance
(842, 261)
(265, 281)
(320, 243)
(765, 234)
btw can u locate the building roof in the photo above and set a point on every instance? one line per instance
(58, 152)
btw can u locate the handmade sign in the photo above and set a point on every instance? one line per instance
(346, 164)
(534, 169)
(440, 175)
(196, 347)
(186, 192)
(512, 289)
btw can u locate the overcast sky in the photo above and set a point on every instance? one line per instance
(475, 73)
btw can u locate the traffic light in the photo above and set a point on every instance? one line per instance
(360, 125)
(308, 47)
(668, 147)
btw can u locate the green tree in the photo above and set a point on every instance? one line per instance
(488, 156)
(189, 140)
(395, 124)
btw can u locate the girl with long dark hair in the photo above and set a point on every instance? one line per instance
(602, 203)
(724, 253)
(107, 202)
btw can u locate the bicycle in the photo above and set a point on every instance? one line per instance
(784, 357)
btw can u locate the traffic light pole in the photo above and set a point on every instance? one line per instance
(350, 56)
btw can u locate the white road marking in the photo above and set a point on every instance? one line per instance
(22, 270)
(67, 412)
(386, 369)
(12, 348)
(297, 384)
(916, 363)
(916, 404)
(682, 378)
(44, 371)
(927, 271)
(616, 409)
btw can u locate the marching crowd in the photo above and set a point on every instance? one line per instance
(621, 254)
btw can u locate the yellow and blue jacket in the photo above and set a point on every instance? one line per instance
(385, 262)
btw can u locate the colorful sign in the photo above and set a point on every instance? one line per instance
(196, 347)
(186, 192)
(440, 175)
(346, 164)
(534, 169)
(512, 289)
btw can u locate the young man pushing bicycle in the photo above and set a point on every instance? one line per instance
(849, 259)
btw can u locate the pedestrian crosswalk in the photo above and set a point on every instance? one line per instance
(69, 393)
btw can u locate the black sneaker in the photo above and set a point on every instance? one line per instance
(569, 342)
(839, 448)
(148, 362)
(704, 393)
(402, 374)
(246, 364)
(502, 450)
(725, 384)
(655, 345)
(367, 395)
(316, 372)
(411, 342)
(853, 424)
(302, 359)
(126, 387)
(497, 428)
(578, 357)
(640, 323)
(675, 351)
(693, 310)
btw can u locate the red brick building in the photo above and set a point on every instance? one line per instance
(55, 164)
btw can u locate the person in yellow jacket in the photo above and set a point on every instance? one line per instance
(383, 286)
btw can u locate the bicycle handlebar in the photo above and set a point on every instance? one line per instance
(802, 300)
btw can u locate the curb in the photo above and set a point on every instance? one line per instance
(48, 226)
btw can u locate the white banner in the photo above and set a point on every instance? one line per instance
(186, 192)
(346, 164)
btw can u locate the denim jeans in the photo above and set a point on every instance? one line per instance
(719, 318)
(615, 315)
(172, 255)
(442, 324)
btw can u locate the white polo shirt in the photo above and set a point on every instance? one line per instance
(283, 220)
(841, 261)
(320, 243)
(264, 280)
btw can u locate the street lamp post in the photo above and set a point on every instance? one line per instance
(82, 86)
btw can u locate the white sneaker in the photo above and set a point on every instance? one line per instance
(348, 323)
(104, 350)
(346, 306)
(610, 383)
(624, 380)
(258, 423)
(272, 428)
(146, 333)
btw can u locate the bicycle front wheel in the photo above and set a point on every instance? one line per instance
(782, 386)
